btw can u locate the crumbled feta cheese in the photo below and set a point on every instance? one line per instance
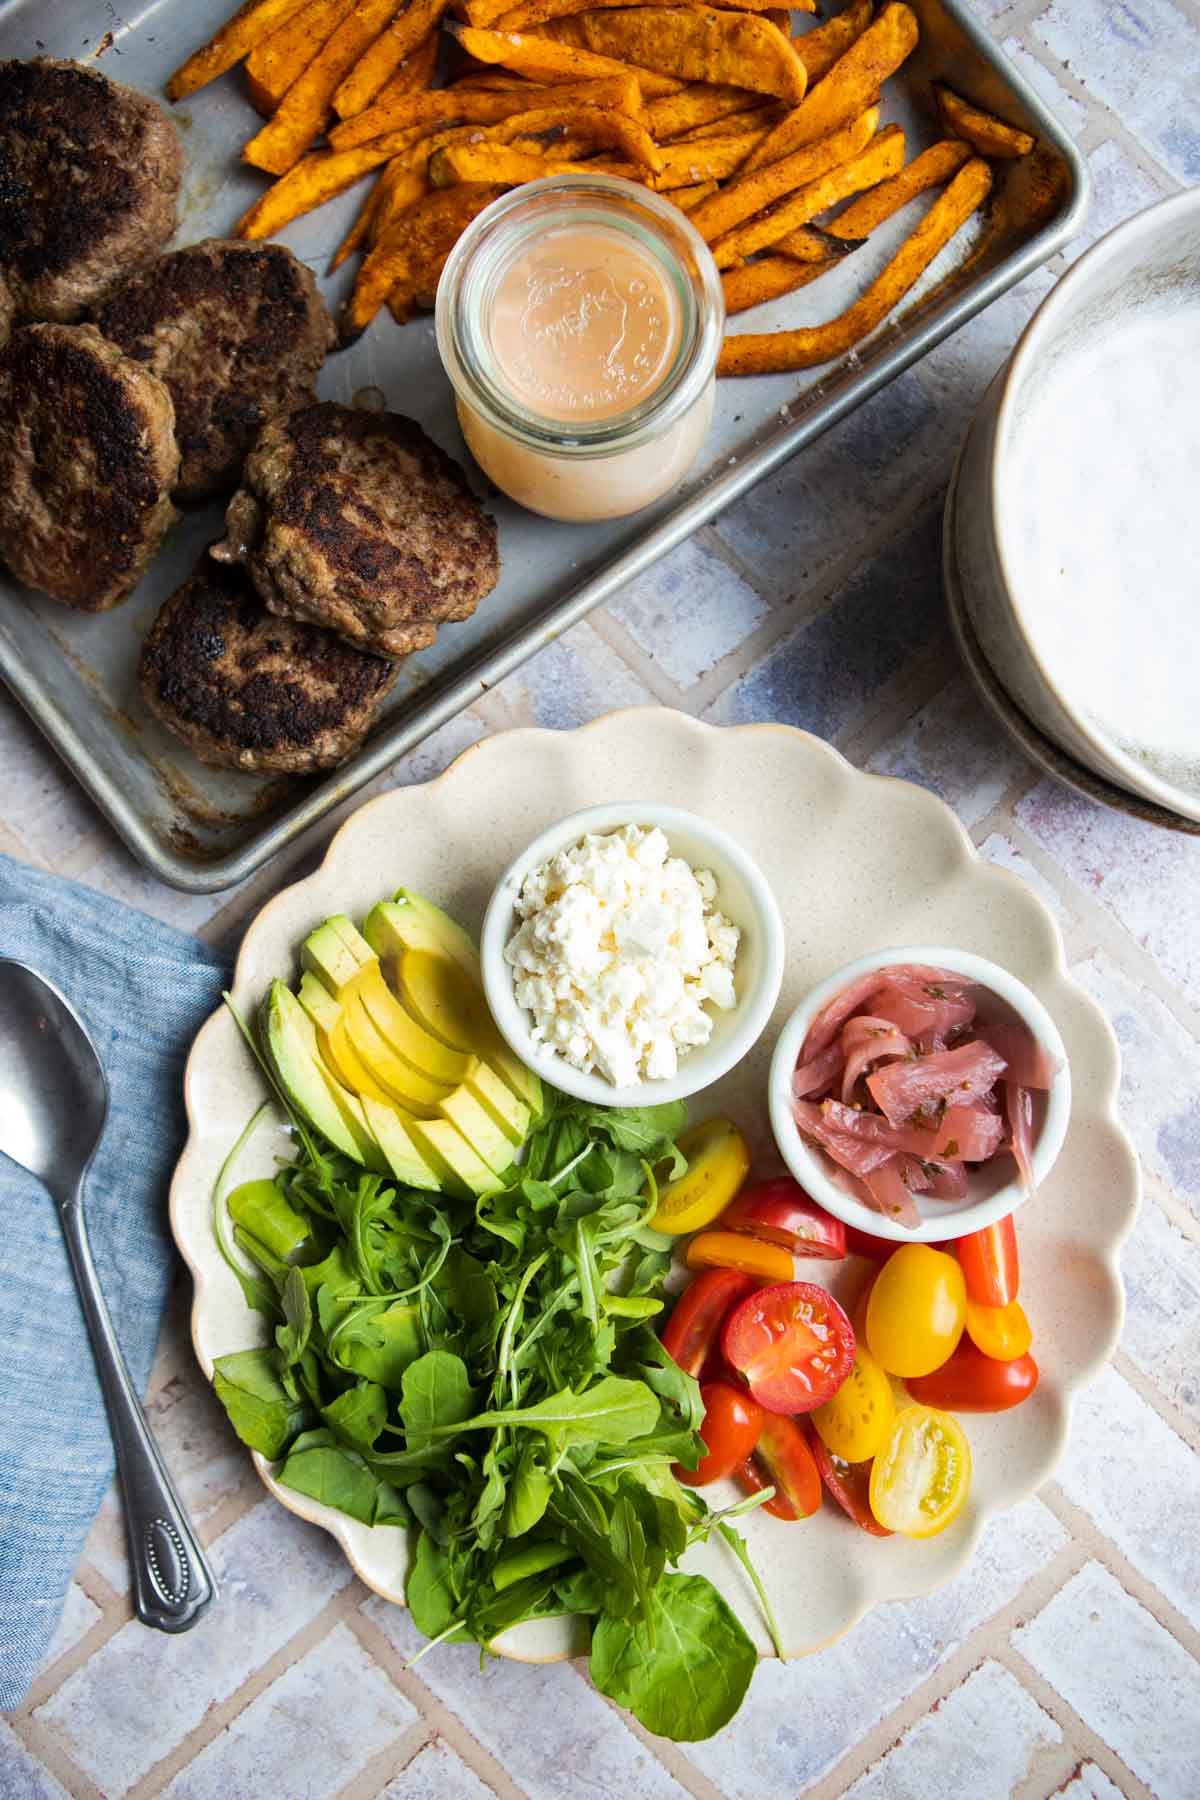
(619, 954)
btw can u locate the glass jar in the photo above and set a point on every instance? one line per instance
(579, 320)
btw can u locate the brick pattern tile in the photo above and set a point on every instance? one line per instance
(953, 748)
(1089, 1783)
(436, 1773)
(78, 1617)
(1161, 1271)
(1127, 1678)
(22, 1777)
(689, 611)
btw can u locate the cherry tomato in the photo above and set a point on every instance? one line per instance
(856, 1421)
(783, 1460)
(916, 1310)
(849, 1485)
(732, 1423)
(731, 1250)
(858, 1312)
(718, 1159)
(990, 1264)
(1002, 1332)
(780, 1212)
(693, 1331)
(793, 1344)
(864, 1243)
(973, 1382)
(921, 1477)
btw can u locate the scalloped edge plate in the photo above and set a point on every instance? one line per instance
(856, 861)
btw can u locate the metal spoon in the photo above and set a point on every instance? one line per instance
(53, 1104)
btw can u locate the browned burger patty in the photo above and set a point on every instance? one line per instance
(88, 459)
(357, 521)
(89, 178)
(237, 331)
(7, 309)
(251, 691)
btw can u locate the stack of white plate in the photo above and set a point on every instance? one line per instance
(1072, 534)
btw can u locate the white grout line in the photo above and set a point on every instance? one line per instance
(1073, 1728)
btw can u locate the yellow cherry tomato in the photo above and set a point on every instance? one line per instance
(916, 1310)
(733, 1250)
(718, 1159)
(857, 1421)
(1002, 1332)
(922, 1476)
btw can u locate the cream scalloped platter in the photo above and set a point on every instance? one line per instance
(857, 862)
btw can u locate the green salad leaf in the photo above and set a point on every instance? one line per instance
(486, 1373)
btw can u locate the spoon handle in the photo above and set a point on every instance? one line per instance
(172, 1582)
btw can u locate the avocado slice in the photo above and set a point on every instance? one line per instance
(337, 1048)
(392, 1131)
(460, 1169)
(479, 1128)
(407, 1038)
(405, 1085)
(294, 1054)
(352, 937)
(500, 1103)
(410, 919)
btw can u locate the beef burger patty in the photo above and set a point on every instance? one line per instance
(251, 691)
(237, 331)
(89, 180)
(88, 459)
(357, 521)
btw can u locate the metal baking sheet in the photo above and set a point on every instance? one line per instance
(203, 829)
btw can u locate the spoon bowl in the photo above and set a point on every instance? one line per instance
(53, 1089)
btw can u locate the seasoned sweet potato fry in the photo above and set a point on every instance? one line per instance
(883, 156)
(930, 169)
(400, 41)
(546, 60)
(314, 179)
(820, 48)
(702, 103)
(459, 163)
(700, 43)
(234, 41)
(480, 106)
(714, 159)
(687, 199)
(774, 352)
(986, 134)
(746, 195)
(810, 243)
(274, 65)
(763, 116)
(423, 233)
(851, 85)
(768, 279)
(596, 125)
(359, 235)
(536, 12)
(306, 105)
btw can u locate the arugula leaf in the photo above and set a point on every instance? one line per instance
(292, 1336)
(684, 1670)
(644, 1129)
(359, 1414)
(612, 1412)
(326, 1472)
(428, 1593)
(436, 1396)
(261, 1410)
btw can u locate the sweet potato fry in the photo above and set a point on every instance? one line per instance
(764, 115)
(379, 60)
(459, 163)
(687, 199)
(314, 179)
(480, 106)
(883, 156)
(234, 41)
(700, 43)
(307, 104)
(715, 159)
(820, 48)
(535, 12)
(850, 87)
(700, 104)
(930, 169)
(280, 60)
(423, 233)
(746, 195)
(768, 279)
(986, 134)
(810, 243)
(775, 352)
(397, 179)
(545, 60)
(598, 126)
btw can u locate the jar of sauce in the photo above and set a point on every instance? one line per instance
(579, 319)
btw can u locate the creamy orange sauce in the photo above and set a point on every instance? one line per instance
(583, 324)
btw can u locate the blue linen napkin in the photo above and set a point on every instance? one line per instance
(144, 990)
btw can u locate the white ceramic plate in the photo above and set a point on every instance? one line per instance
(857, 862)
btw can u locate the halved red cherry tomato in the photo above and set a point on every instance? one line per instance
(780, 1212)
(1000, 1331)
(973, 1382)
(693, 1331)
(864, 1243)
(731, 1428)
(783, 1459)
(850, 1486)
(990, 1264)
(793, 1344)
(732, 1250)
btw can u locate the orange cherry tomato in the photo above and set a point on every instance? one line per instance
(990, 1264)
(693, 1331)
(732, 1250)
(783, 1459)
(731, 1428)
(1002, 1332)
(973, 1382)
